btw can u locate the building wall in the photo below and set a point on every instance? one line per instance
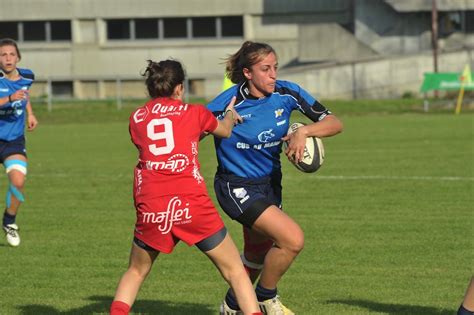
(301, 31)
(375, 77)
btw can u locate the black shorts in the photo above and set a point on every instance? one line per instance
(245, 199)
(8, 148)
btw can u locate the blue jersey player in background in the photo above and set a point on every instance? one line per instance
(248, 179)
(14, 102)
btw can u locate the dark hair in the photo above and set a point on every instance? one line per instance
(162, 77)
(249, 54)
(10, 42)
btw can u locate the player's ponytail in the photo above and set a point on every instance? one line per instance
(249, 54)
(162, 77)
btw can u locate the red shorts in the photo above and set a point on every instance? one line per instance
(164, 221)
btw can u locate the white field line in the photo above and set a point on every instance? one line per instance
(316, 176)
(382, 177)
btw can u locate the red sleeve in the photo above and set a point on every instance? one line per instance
(137, 117)
(207, 120)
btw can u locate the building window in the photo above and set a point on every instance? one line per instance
(62, 89)
(449, 23)
(34, 31)
(469, 20)
(118, 29)
(9, 30)
(204, 27)
(175, 28)
(60, 30)
(146, 29)
(232, 26)
(37, 30)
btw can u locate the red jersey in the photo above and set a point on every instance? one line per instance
(166, 133)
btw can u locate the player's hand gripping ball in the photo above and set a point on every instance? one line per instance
(313, 156)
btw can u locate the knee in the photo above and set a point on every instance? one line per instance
(295, 244)
(236, 272)
(18, 182)
(139, 271)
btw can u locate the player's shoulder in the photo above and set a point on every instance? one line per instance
(196, 106)
(282, 86)
(223, 99)
(198, 110)
(26, 74)
(139, 114)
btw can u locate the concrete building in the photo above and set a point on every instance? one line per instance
(92, 49)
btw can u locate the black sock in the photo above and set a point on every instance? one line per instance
(231, 300)
(264, 293)
(8, 218)
(463, 311)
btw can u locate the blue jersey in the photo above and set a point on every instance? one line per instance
(12, 114)
(254, 148)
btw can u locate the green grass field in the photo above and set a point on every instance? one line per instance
(388, 219)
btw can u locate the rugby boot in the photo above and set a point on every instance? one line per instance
(226, 310)
(274, 307)
(11, 232)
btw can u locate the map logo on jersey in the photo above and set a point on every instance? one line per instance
(279, 112)
(140, 115)
(175, 163)
(266, 135)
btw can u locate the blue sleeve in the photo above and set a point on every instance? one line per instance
(220, 102)
(27, 74)
(304, 102)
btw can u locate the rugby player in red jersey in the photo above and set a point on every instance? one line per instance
(171, 200)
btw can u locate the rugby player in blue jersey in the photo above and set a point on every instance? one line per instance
(14, 102)
(248, 179)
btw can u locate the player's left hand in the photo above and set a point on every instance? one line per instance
(296, 143)
(32, 122)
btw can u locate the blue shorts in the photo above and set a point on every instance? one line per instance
(245, 199)
(8, 148)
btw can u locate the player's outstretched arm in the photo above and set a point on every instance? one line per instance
(231, 118)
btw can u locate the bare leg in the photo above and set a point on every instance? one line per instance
(17, 179)
(289, 240)
(226, 258)
(256, 247)
(131, 281)
(468, 302)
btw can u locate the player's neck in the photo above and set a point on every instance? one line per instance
(176, 97)
(254, 92)
(12, 75)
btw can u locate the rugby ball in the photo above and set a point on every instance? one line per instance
(313, 152)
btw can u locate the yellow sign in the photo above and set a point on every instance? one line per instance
(465, 79)
(227, 83)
